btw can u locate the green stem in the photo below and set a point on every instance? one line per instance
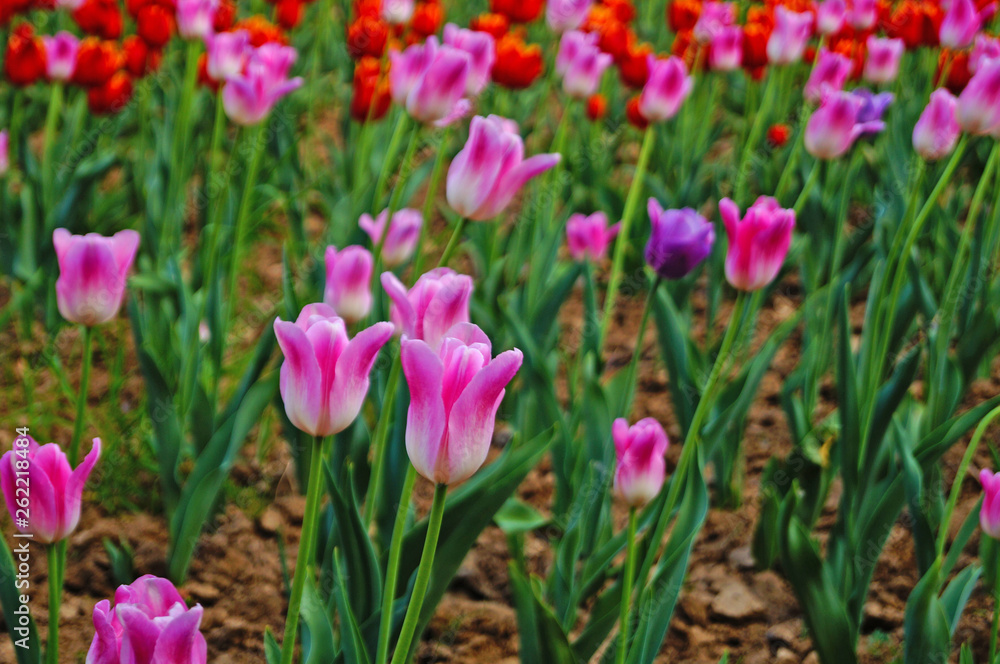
(756, 129)
(807, 188)
(404, 171)
(627, 581)
(57, 570)
(392, 566)
(390, 157)
(456, 237)
(307, 546)
(408, 632)
(633, 366)
(181, 129)
(995, 624)
(81, 399)
(380, 441)
(51, 122)
(437, 175)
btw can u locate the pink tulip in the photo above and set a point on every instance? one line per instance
(830, 73)
(882, 65)
(641, 468)
(989, 515)
(862, 14)
(92, 273)
(588, 237)
(401, 239)
(830, 17)
(713, 18)
(454, 396)
(52, 507)
(430, 80)
(250, 96)
(149, 624)
(788, 40)
(324, 378)
(835, 126)
(960, 25)
(665, 90)
(937, 130)
(571, 44)
(60, 55)
(397, 12)
(69, 5)
(979, 103)
(583, 71)
(349, 282)
(565, 15)
(227, 54)
(491, 168)
(725, 52)
(481, 50)
(4, 152)
(984, 49)
(436, 303)
(195, 18)
(758, 243)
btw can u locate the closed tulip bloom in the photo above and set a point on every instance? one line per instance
(481, 49)
(714, 17)
(60, 55)
(56, 489)
(758, 243)
(195, 18)
(93, 271)
(436, 303)
(4, 152)
(678, 242)
(871, 109)
(667, 88)
(324, 378)
(565, 15)
(989, 515)
(960, 25)
(830, 73)
(407, 66)
(862, 14)
(588, 237)
(401, 237)
(937, 130)
(437, 95)
(571, 44)
(725, 52)
(250, 96)
(349, 282)
(397, 12)
(882, 65)
(835, 126)
(227, 54)
(830, 17)
(584, 72)
(491, 168)
(979, 103)
(641, 468)
(149, 624)
(984, 49)
(454, 396)
(790, 36)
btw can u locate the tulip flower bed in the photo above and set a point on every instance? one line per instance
(557, 331)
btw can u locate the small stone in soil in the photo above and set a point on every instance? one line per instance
(737, 602)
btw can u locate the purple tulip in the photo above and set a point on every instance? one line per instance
(491, 168)
(713, 18)
(830, 73)
(873, 107)
(401, 237)
(937, 130)
(678, 242)
(641, 468)
(725, 52)
(882, 65)
(836, 125)
(195, 18)
(248, 97)
(571, 44)
(397, 12)
(588, 237)
(979, 103)
(583, 68)
(454, 396)
(430, 80)
(565, 15)
(324, 378)
(227, 54)
(758, 243)
(989, 515)
(960, 25)
(788, 40)
(349, 282)
(53, 506)
(60, 55)
(480, 48)
(149, 624)
(984, 49)
(665, 90)
(436, 303)
(93, 271)
(4, 152)
(830, 17)
(862, 14)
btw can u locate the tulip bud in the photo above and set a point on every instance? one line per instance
(836, 124)
(937, 130)
(960, 25)
(481, 51)
(986, 48)
(979, 103)
(195, 18)
(437, 94)
(641, 468)
(565, 15)
(726, 49)
(583, 73)
(862, 14)
(989, 515)
(758, 243)
(397, 12)
(250, 96)
(830, 17)
(349, 282)
(588, 237)
(92, 274)
(788, 40)
(228, 53)
(830, 73)
(713, 18)
(882, 65)
(678, 242)
(436, 303)
(667, 88)
(401, 237)
(60, 55)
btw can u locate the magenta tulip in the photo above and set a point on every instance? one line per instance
(937, 130)
(837, 124)
(481, 51)
(588, 237)
(571, 44)
(725, 51)
(149, 624)
(790, 36)
(641, 468)
(882, 65)
(401, 236)
(679, 240)
(989, 515)
(195, 18)
(758, 243)
(565, 15)
(4, 152)
(429, 80)
(583, 70)
(436, 303)
(324, 378)
(979, 103)
(713, 18)
(349, 282)
(665, 90)
(830, 17)
(52, 509)
(398, 12)
(984, 49)
(248, 97)
(960, 25)
(491, 168)
(227, 54)
(60, 55)
(454, 396)
(830, 73)
(93, 271)
(862, 14)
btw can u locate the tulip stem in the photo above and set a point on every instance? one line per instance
(753, 137)
(406, 636)
(428, 210)
(57, 570)
(995, 625)
(456, 237)
(392, 566)
(390, 158)
(380, 441)
(807, 188)
(404, 175)
(51, 121)
(633, 367)
(81, 399)
(181, 130)
(307, 546)
(627, 583)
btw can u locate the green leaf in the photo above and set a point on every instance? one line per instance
(516, 516)
(546, 640)
(353, 641)
(928, 638)
(316, 629)
(956, 595)
(272, 651)
(20, 631)
(364, 578)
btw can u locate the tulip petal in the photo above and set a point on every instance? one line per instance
(8, 482)
(397, 293)
(515, 178)
(104, 647)
(300, 377)
(425, 419)
(74, 488)
(139, 634)
(181, 641)
(61, 240)
(350, 383)
(730, 213)
(124, 245)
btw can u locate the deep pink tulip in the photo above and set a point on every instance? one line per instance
(979, 103)
(398, 12)
(583, 71)
(480, 48)
(227, 54)
(4, 152)
(571, 44)
(60, 55)
(491, 168)
(790, 36)
(436, 303)
(830, 17)
(862, 14)
(56, 489)
(588, 237)
(989, 515)
(195, 18)
(430, 80)
(248, 97)
(565, 15)
(960, 25)
(454, 396)
(349, 282)
(830, 73)
(665, 90)
(882, 65)
(725, 51)
(937, 130)
(401, 237)
(833, 128)
(984, 49)
(641, 468)
(714, 17)
(324, 378)
(93, 271)
(149, 624)
(758, 243)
